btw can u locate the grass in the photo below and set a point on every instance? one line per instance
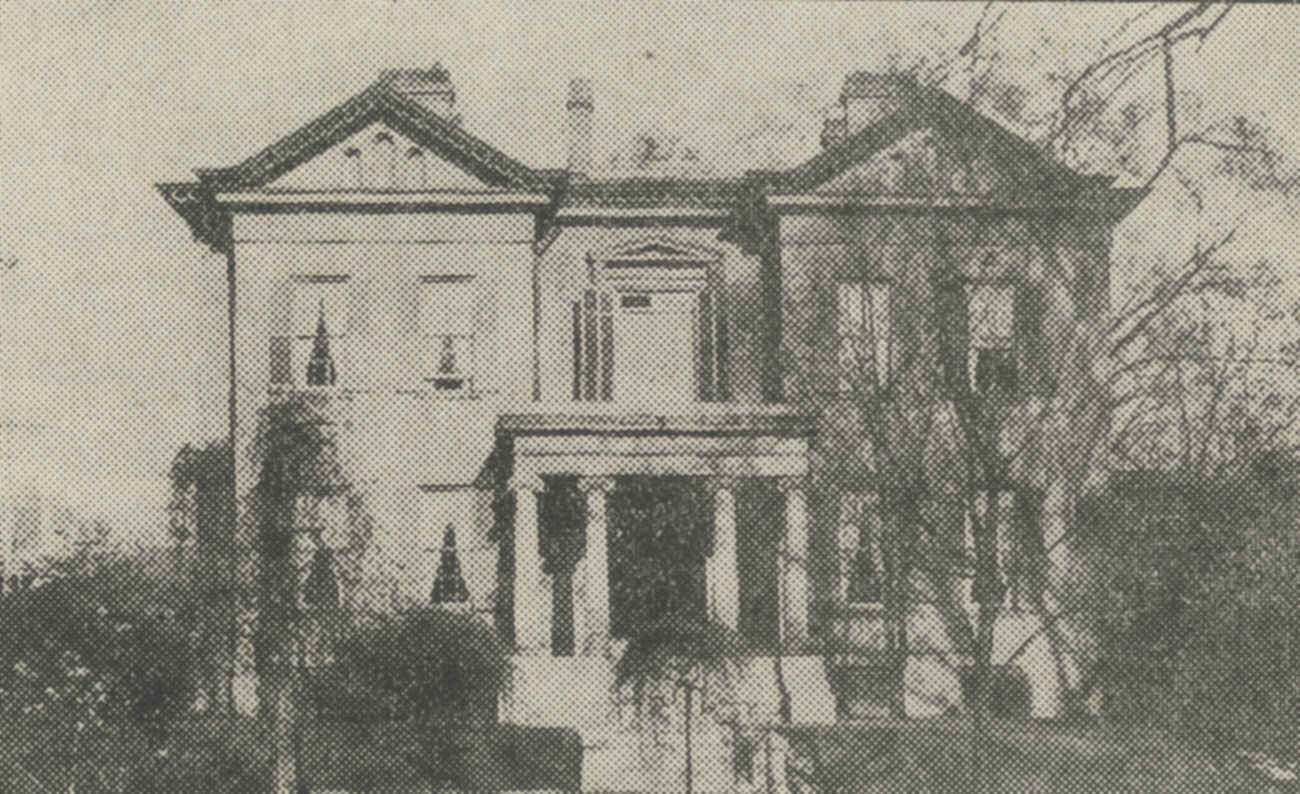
(934, 755)
(233, 756)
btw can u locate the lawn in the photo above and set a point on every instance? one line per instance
(233, 756)
(934, 755)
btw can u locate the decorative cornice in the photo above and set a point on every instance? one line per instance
(208, 222)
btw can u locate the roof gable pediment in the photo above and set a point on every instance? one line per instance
(378, 109)
(377, 158)
(934, 144)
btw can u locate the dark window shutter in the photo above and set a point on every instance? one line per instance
(281, 347)
(577, 350)
(606, 348)
(591, 351)
(954, 334)
(722, 352)
(1031, 344)
(704, 360)
(824, 337)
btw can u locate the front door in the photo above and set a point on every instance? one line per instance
(654, 337)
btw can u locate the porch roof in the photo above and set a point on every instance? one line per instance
(696, 440)
(713, 419)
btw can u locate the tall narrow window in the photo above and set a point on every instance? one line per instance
(319, 331)
(1002, 520)
(381, 168)
(352, 170)
(991, 355)
(863, 329)
(861, 559)
(447, 333)
(416, 170)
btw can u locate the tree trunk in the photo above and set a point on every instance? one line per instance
(288, 730)
(979, 746)
(690, 772)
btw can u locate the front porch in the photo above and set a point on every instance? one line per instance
(600, 493)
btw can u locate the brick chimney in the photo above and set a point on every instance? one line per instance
(868, 97)
(430, 87)
(578, 109)
(833, 131)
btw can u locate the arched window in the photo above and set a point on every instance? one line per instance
(380, 173)
(416, 170)
(352, 156)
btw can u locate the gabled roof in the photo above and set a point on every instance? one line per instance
(1033, 174)
(381, 102)
(932, 107)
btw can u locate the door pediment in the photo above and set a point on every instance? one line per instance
(655, 251)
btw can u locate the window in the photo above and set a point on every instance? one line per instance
(444, 572)
(320, 308)
(991, 355)
(381, 166)
(447, 332)
(1003, 520)
(861, 561)
(416, 170)
(863, 332)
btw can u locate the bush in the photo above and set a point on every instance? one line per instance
(92, 648)
(1010, 695)
(437, 672)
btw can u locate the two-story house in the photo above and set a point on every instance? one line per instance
(664, 361)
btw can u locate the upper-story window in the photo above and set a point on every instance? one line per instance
(863, 328)
(861, 557)
(447, 306)
(991, 351)
(318, 333)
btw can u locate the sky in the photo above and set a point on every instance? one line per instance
(112, 334)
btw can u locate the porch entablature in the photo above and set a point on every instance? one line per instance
(713, 440)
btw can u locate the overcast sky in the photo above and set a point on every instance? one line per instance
(113, 334)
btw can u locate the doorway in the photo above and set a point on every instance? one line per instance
(654, 336)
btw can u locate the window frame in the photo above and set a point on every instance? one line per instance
(1004, 540)
(429, 361)
(1012, 348)
(855, 508)
(882, 371)
(337, 331)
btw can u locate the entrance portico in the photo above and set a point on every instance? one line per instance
(716, 446)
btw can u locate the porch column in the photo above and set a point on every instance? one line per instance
(794, 564)
(592, 632)
(722, 577)
(532, 586)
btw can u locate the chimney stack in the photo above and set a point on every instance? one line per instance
(430, 87)
(833, 128)
(868, 97)
(578, 110)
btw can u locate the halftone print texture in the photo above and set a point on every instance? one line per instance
(761, 398)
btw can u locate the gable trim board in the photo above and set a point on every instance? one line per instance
(378, 103)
